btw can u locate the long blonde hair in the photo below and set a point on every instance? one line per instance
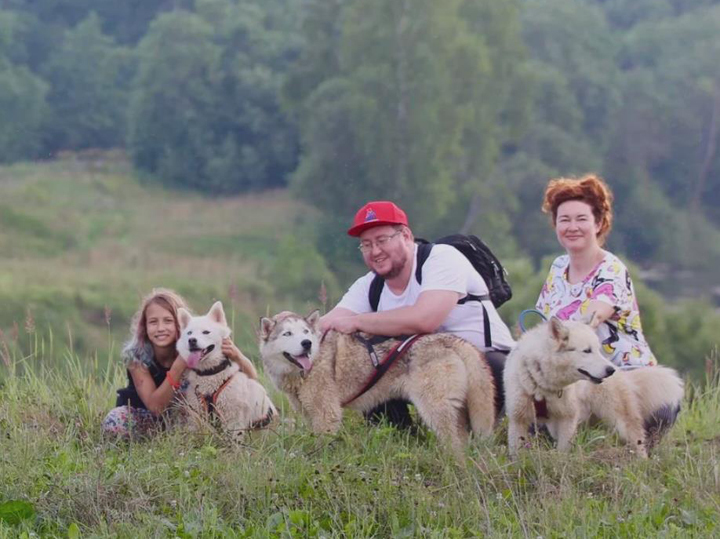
(138, 347)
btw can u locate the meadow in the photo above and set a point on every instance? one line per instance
(60, 478)
(83, 239)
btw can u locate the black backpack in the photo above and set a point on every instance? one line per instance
(481, 258)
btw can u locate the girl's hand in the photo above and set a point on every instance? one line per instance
(231, 351)
(180, 362)
(234, 354)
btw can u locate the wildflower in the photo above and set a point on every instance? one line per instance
(322, 296)
(5, 352)
(29, 322)
(234, 293)
(108, 313)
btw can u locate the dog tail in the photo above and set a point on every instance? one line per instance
(247, 367)
(480, 392)
(659, 422)
(660, 391)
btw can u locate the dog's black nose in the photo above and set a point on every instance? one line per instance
(306, 344)
(609, 371)
(192, 341)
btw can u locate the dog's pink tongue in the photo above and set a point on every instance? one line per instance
(193, 359)
(305, 362)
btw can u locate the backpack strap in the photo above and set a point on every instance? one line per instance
(376, 287)
(378, 283)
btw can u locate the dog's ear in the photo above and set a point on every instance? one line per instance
(312, 318)
(184, 317)
(266, 326)
(217, 313)
(558, 331)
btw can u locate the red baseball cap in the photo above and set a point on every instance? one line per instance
(377, 213)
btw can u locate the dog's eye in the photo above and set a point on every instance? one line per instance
(206, 332)
(189, 332)
(306, 332)
(588, 350)
(287, 333)
(570, 349)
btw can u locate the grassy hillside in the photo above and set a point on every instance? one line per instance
(82, 240)
(61, 479)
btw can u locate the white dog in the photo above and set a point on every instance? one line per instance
(557, 376)
(220, 391)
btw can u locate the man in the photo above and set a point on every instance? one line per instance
(406, 307)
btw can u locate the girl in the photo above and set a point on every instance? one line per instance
(588, 281)
(154, 367)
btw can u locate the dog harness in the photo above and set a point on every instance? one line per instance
(209, 400)
(541, 410)
(381, 367)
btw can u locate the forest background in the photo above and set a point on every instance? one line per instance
(221, 147)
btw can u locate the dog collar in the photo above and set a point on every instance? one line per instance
(224, 364)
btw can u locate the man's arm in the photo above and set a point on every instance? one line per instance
(425, 316)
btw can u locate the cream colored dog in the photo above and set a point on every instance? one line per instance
(557, 371)
(445, 377)
(220, 392)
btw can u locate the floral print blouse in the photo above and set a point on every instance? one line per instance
(623, 342)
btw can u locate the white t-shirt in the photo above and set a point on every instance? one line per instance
(445, 269)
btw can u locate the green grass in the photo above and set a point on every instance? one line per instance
(364, 482)
(83, 241)
(84, 238)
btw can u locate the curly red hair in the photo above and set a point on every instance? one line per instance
(590, 189)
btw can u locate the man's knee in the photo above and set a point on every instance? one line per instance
(396, 412)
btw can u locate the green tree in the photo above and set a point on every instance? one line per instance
(173, 95)
(573, 77)
(22, 98)
(205, 112)
(400, 97)
(89, 89)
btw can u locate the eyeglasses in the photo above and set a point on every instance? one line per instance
(381, 241)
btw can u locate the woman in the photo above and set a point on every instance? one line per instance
(589, 282)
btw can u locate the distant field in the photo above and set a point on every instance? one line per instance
(82, 241)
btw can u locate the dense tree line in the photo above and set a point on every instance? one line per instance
(460, 110)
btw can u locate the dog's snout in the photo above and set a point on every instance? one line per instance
(306, 344)
(609, 371)
(192, 341)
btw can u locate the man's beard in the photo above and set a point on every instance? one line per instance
(395, 269)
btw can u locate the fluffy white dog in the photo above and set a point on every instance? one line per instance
(556, 376)
(221, 392)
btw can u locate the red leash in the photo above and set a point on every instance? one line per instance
(393, 355)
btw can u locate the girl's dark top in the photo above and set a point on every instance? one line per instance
(129, 394)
